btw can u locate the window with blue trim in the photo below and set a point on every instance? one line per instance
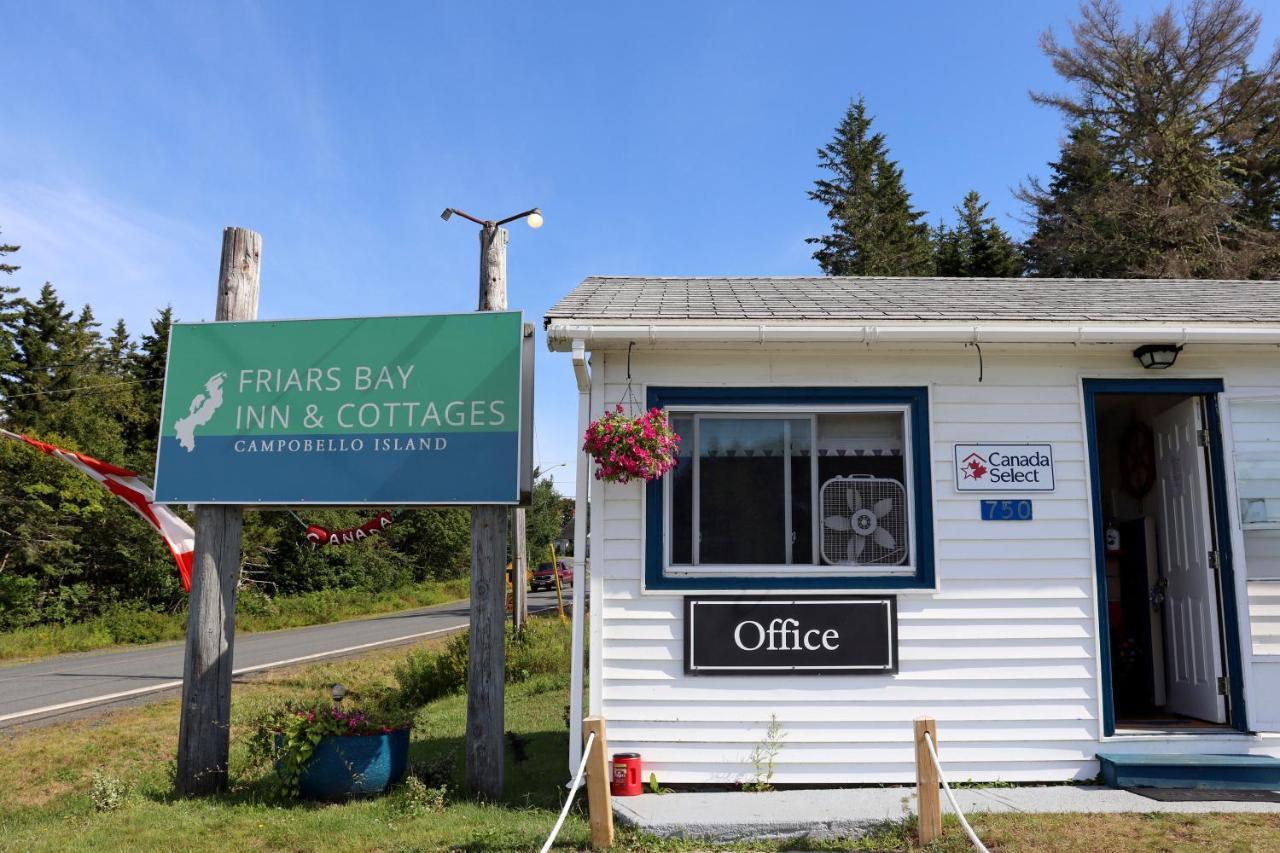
(793, 488)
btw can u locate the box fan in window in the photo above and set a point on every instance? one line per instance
(864, 521)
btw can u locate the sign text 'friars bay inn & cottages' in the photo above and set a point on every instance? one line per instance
(374, 410)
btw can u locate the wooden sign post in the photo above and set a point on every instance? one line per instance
(486, 666)
(204, 733)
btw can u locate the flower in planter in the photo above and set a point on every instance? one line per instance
(626, 448)
(290, 737)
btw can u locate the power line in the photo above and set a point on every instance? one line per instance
(84, 388)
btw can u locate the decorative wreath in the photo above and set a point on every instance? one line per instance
(1138, 459)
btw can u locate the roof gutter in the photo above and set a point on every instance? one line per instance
(560, 335)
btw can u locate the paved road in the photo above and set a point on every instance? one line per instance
(68, 684)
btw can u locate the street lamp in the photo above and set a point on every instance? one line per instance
(533, 215)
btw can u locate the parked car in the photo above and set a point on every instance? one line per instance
(543, 577)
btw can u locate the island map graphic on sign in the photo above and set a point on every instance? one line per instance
(201, 411)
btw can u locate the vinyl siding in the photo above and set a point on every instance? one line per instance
(1003, 654)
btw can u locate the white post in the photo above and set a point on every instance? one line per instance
(581, 507)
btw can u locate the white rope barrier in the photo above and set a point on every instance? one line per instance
(568, 801)
(968, 830)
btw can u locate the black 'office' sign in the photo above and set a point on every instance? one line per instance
(791, 635)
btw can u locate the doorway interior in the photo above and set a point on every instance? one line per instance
(1162, 562)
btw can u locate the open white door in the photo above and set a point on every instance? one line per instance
(1192, 638)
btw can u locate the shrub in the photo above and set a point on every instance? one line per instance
(427, 674)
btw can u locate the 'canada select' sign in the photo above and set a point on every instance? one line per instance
(1004, 467)
(384, 410)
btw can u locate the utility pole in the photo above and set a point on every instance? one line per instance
(204, 733)
(486, 666)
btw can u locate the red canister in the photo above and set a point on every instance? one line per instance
(625, 775)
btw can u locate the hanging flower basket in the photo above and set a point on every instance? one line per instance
(627, 448)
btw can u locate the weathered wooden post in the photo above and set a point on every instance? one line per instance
(929, 822)
(204, 731)
(599, 801)
(487, 664)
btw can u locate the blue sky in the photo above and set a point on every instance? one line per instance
(658, 138)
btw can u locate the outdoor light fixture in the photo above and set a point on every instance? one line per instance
(1157, 356)
(339, 692)
(534, 216)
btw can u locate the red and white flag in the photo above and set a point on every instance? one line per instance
(124, 484)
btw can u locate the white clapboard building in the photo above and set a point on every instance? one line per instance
(1045, 513)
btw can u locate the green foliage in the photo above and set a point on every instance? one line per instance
(874, 228)
(130, 622)
(542, 649)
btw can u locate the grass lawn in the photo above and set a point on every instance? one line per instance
(47, 774)
(255, 612)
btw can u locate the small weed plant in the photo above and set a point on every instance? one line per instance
(418, 799)
(763, 756)
(107, 793)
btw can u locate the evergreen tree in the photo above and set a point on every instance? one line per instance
(146, 371)
(977, 247)
(875, 230)
(1159, 98)
(7, 249)
(10, 312)
(45, 358)
(120, 352)
(1077, 231)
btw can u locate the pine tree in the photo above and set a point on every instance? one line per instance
(875, 230)
(10, 312)
(146, 371)
(977, 247)
(1159, 98)
(1077, 228)
(45, 336)
(120, 351)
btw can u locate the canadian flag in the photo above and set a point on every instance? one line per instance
(124, 484)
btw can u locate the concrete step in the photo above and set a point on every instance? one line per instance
(1213, 772)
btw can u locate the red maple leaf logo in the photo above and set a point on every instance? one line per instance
(976, 470)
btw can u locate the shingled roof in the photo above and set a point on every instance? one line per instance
(608, 299)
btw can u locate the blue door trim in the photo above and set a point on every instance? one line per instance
(922, 484)
(1209, 389)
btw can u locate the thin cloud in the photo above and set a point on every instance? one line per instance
(125, 262)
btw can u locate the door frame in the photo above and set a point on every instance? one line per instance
(1210, 390)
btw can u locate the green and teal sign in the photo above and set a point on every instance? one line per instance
(381, 410)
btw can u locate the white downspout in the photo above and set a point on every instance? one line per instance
(581, 503)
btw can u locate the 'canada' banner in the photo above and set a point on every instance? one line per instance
(384, 410)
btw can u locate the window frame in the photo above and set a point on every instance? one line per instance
(798, 403)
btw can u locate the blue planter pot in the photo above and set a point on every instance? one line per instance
(345, 766)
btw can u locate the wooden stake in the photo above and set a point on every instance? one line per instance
(487, 664)
(929, 823)
(204, 732)
(599, 802)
